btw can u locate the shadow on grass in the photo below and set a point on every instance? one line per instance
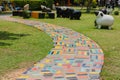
(4, 35)
(4, 44)
(104, 28)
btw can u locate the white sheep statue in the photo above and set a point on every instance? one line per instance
(109, 9)
(103, 20)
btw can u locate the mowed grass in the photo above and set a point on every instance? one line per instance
(109, 40)
(21, 46)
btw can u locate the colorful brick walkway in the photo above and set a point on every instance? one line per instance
(74, 56)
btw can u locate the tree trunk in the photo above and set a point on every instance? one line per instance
(68, 2)
(89, 6)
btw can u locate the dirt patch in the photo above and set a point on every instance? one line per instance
(13, 74)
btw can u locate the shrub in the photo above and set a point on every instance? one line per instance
(26, 14)
(94, 3)
(34, 5)
(116, 13)
(49, 3)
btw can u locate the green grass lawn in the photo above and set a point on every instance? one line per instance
(109, 40)
(21, 46)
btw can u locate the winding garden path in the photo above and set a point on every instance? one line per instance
(74, 56)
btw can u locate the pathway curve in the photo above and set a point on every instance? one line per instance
(74, 56)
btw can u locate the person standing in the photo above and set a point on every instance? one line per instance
(1, 8)
(119, 4)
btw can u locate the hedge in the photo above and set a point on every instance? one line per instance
(34, 4)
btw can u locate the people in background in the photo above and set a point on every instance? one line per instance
(119, 4)
(57, 4)
(1, 8)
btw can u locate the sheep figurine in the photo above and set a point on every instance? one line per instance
(103, 10)
(109, 9)
(103, 20)
(76, 14)
(45, 9)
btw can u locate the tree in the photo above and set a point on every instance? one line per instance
(77, 1)
(87, 3)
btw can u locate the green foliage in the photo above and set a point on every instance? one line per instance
(87, 2)
(34, 5)
(77, 1)
(49, 3)
(26, 14)
(94, 3)
(19, 3)
(116, 13)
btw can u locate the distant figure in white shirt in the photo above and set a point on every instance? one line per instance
(1, 7)
(119, 4)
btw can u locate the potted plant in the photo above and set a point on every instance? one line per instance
(26, 14)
